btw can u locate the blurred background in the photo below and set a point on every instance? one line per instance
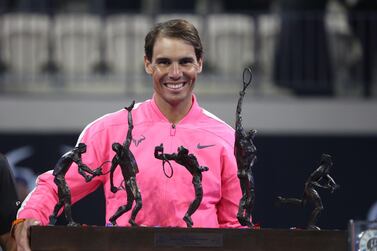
(64, 63)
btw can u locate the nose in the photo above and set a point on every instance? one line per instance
(175, 71)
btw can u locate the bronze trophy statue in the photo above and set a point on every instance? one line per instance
(190, 162)
(320, 178)
(64, 193)
(126, 160)
(246, 155)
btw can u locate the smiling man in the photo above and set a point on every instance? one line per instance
(173, 117)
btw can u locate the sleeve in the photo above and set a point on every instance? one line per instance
(40, 203)
(230, 191)
(8, 195)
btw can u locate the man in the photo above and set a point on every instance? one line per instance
(173, 58)
(8, 205)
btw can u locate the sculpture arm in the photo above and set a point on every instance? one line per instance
(203, 168)
(317, 184)
(114, 164)
(128, 140)
(331, 183)
(172, 156)
(85, 168)
(158, 152)
(239, 126)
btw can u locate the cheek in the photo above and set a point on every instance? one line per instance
(157, 76)
(191, 75)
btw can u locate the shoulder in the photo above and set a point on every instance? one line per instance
(216, 126)
(104, 122)
(110, 121)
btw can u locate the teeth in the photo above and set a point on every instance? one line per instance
(175, 86)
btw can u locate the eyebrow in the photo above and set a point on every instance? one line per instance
(180, 59)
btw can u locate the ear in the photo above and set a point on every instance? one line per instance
(200, 63)
(148, 65)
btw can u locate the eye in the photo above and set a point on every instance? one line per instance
(163, 61)
(186, 61)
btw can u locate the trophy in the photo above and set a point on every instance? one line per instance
(126, 160)
(245, 153)
(362, 235)
(64, 193)
(190, 162)
(319, 178)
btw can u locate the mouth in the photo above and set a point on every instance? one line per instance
(175, 86)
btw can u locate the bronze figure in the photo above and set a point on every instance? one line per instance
(246, 155)
(126, 160)
(320, 178)
(64, 193)
(190, 162)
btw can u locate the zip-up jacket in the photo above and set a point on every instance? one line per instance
(165, 200)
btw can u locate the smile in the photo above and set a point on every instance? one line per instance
(175, 86)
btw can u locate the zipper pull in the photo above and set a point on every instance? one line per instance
(172, 130)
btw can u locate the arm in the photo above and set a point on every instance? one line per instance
(21, 234)
(203, 168)
(114, 164)
(246, 83)
(158, 151)
(239, 126)
(8, 204)
(159, 154)
(82, 169)
(7, 242)
(128, 140)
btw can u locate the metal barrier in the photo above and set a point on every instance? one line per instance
(290, 53)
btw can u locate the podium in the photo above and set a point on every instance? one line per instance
(94, 238)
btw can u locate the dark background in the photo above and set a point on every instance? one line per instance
(284, 163)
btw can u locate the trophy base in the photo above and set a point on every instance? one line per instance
(53, 238)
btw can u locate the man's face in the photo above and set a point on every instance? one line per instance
(174, 69)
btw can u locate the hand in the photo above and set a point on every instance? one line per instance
(333, 188)
(114, 189)
(203, 168)
(98, 171)
(88, 178)
(7, 241)
(22, 234)
(159, 148)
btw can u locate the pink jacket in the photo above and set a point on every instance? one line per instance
(165, 201)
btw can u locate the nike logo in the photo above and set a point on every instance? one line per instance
(199, 146)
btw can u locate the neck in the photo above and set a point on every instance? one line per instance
(174, 112)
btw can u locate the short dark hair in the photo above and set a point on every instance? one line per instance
(175, 28)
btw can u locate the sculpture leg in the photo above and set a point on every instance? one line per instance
(195, 204)
(293, 201)
(241, 209)
(313, 218)
(317, 210)
(312, 196)
(122, 209)
(242, 204)
(249, 205)
(138, 203)
(68, 212)
(59, 205)
(53, 216)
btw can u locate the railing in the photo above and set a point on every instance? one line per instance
(289, 53)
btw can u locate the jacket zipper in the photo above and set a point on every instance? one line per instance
(172, 130)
